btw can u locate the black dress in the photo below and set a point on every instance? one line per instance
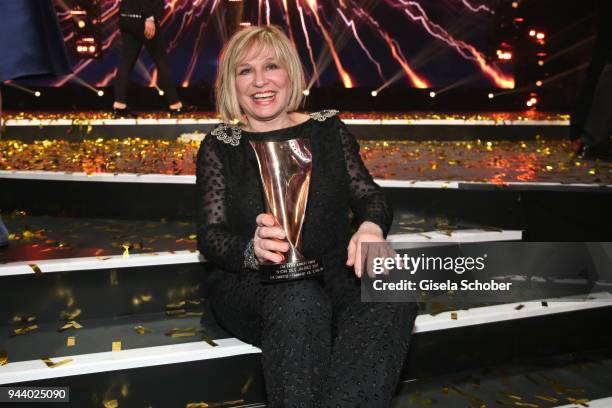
(320, 345)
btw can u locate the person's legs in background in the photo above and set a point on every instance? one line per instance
(156, 47)
(130, 49)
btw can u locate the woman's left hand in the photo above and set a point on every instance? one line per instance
(368, 232)
(149, 31)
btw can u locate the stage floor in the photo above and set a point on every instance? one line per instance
(15, 118)
(492, 162)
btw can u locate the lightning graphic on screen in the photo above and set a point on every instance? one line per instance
(320, 30)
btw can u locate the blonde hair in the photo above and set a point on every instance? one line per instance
(233, 53)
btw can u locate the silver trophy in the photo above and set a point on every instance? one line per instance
(285, 168)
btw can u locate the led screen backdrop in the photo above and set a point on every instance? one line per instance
(350, 43)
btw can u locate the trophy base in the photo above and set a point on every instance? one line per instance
(271, 273)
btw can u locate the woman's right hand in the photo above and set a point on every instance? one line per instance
(268, 241)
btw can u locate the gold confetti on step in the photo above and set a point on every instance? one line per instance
(111, 403)
(519, 307)
(453, 315)
(116, 346)
(70, 325)
(70, 314)
(52, 364)
(182, 313)
(23, 318)
(175, 312)
(3, 357)
(36, 269)
(126, 251)
(210, 341)
(547, 398)
(544, 304)
(525, 404)
(177, 305)
(71, 341)
(25, 330)
(511, 396)
(187, 332)
(223, 404)
(138, 299)
(142, 330)
(582, 401)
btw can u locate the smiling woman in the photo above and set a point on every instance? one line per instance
(321, 347)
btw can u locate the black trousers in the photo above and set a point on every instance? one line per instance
(132, 40)
(321, 346)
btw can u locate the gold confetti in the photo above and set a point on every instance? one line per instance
(544, 304)
(176, 305)
(25, 330)
(511, 396)
(453, 315)
(70, 325)
(142, 330)
(3, 357)
(23, 318)
(547, 399)
(36, 269)
(71, 341)
(70, 314)
(126, 251)
(116, 346)
(187, 332)
(210, 341)
(51, 364)
(111, 403)
(582, 401)
(519, 307)
(203, 404)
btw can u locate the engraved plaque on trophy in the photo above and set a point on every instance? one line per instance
(285, 168)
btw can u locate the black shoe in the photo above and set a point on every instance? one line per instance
(124, 113)
(182, 110)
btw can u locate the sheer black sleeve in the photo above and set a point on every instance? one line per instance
(368, 201)
(216, 241)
